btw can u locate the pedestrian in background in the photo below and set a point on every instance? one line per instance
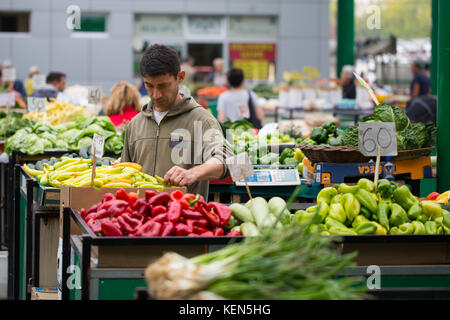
(29, 81)
(55, 84)
(218, 77)
(123, 103)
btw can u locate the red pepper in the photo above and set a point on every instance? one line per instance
(103, 213)
(128, 223)
(107, 197)
(133, 198)
(142, 207)
(176, 195)
(201, 223)
(213, 219)
(190, 224)
(117, 208)
(121, 194)
(149, 229)
(189, 214)
(124, 226)
(167, 229)
(149, 194)
(93, 208)
(233, 234)
(106, 205)
(160, 218)
(109, 229)
(433, 196)
(218, 232)
(137, 216)
(174, 212)
(222, 210)
(192, 200)
(181, 229)
(95, 225)
(161, 199)
(207, 234)
(200, 230)
(83, 212)
(157, 210)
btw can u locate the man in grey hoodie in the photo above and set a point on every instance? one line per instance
(173, 136)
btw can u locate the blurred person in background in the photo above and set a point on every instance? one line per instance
(239, 103)
(17, 85)
(123, 103)
(218, 77)
(347, 82)
(188, 67)
(55, 84)
(420, 84)
(29, 81)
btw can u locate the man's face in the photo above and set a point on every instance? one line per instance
(163, 89)
(61, 84)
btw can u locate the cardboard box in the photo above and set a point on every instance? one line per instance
(84, 197)
(44, 293)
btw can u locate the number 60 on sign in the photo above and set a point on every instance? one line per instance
(372, 135)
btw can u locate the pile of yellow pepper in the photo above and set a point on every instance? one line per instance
(77, 172)
(58, 112)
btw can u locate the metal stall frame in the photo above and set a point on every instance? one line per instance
(88, 239)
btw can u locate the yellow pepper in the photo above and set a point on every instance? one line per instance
(133, 165)
(443, 197)
(117, 185)
(380, 229)
(32, 172)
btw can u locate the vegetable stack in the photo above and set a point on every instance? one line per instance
(157, 215)
(362, 209)
(77, 172)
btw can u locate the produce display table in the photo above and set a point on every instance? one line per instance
(114, 265)
(355, 114)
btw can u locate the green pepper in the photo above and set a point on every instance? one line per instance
(330, 222)
(366, 184)
(344, 188)
(319, 135)
(335, 142)
(404, 197)
(323, 210)
(351, 205)
(303, 217)
(431, 209)
(365, 212)
(312, 209)
(367, 200)
(337, 212)
(290, 162)
(286, 153)
(336, 199)
(446, 219)
(405, 228)
(358, 220)
(341, 231)
(325, 233)
(316, 228)
(431, 227)
(330, 126)
(366, 228)
(414, 211)
(383, 214)
(419, 227)
(422, 218)
(385, 189)
(326, 194)
(309, 141)
(398, 215)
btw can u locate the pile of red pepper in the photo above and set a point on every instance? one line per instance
(157, 215)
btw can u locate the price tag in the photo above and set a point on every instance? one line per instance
(94, 95)
(272, 177)
(38, 81)
(7, 99)
(372, 135)
(9, 74)
(240, 166)
(36, 104)
(98, 142)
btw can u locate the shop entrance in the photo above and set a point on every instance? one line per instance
(204, 54)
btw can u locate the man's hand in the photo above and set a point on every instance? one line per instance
(178, 176)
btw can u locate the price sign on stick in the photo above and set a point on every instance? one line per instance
(9, 74)
(377, 139)
(98, 142)
(36, 104)
(7, 99)
(38, 81)
(94, 95)
(241, 167)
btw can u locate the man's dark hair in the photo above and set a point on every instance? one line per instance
(54, 76)
(159, 60)
(235, 77)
